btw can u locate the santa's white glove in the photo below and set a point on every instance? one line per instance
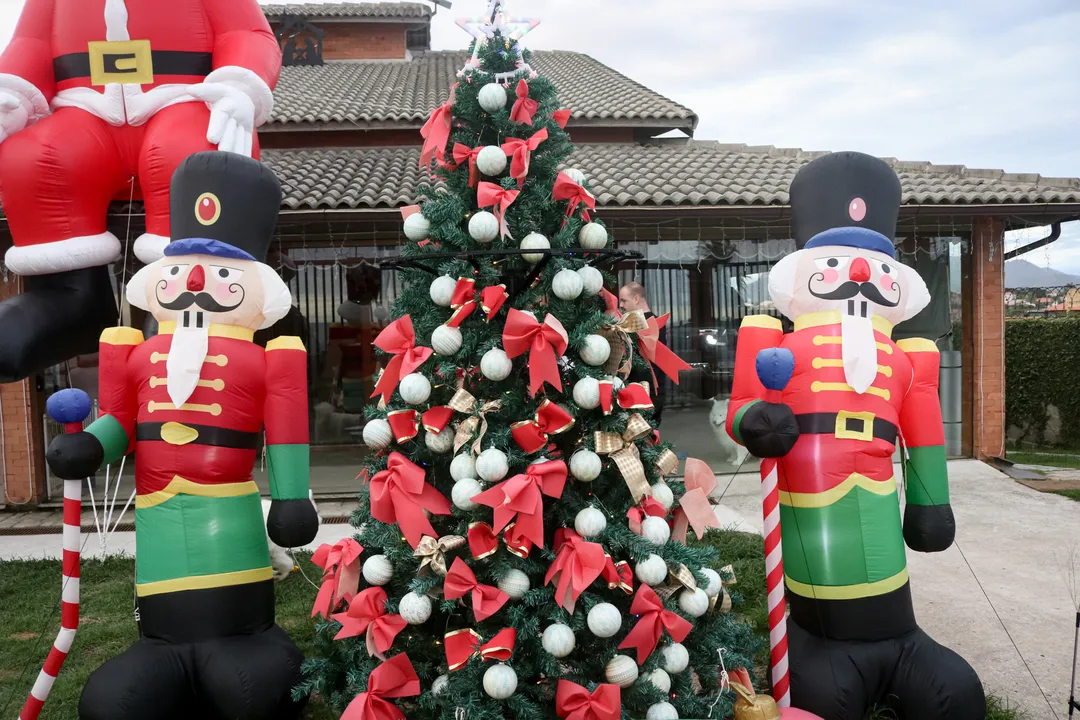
(21, 104)
(239, 101)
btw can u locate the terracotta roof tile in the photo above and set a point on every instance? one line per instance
(373, 10)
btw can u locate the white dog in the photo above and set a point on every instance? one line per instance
(281, 561)
(733, 452)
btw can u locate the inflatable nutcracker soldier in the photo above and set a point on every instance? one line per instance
(102, 100)
(192, 402)
(852, 396)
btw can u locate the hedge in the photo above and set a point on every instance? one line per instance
(1042, 361)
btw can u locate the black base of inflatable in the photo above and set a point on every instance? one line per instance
(197, 615)
(54, 319)
(872, 618)
(911, 674)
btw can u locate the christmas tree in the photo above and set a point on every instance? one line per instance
(521, 555)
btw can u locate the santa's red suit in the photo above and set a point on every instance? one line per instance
(97, 93)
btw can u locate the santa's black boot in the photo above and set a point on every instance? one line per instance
(55, 318)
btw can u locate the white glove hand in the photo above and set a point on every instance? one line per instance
(232, 117)
(14, 114)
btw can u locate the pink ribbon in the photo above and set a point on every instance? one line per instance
(694, 506)
(524, 107)
(521, 152)
(492, 196)
(436, 131)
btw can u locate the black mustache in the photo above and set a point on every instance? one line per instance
(851, 288)
(203, 300)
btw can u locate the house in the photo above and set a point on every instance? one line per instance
(710, 217)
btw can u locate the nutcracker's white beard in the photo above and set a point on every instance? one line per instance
(859, 351)
(190, 342)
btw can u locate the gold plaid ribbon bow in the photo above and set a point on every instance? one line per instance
(618, 337)
(679, 577)
(624, 452)
(432, 552)
(464, 402)
(724, 598)
(667, 463)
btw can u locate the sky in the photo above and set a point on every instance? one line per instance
(982, 83)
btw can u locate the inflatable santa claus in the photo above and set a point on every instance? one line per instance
(102, 100)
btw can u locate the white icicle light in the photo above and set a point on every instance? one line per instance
(500, 681)
(377, 570)
(590, 522)
(716, 583)
(534, 241)
(585, 465)
(415, 609)
(442, 290)
(417, 227)
(442, 442)
(463, 466)
(559, 640)
(593, 236)
(595, 350)
(492, 465)
(604, 620)
(483, 227)
(675, 658)
(464, 491)
(621, 670)
(592, 279)
(440, 684)
(515, 583)
(377, 434)
(576, 175)
(492, 97)
(491, 160)
(694, 602)
(652, 570)
(655, 530)
(446, 340)
(662, 711)
(495, 365)
(660, 679)
(567, 285)
(662, 494)
(587, 393)
(415, 389)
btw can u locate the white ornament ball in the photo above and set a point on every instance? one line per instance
(377, 434)
(590, 522)
(576, 175)
(417, 227)
(655, 530)
(446, 340)
(652, 570)
(660, 679)
(515, 584)
(463, 466)
(378, 570)
(662, 711)
(491, 160)
(604, 620)
(675, 658)
(559, 640)
(622, 671)
(716, 583)
(495, 365)
(492, 97)
(616, 382)
(593, 236)
(464, 491)
(415, 389)
(694, 602)
(587, 393)
(500, 681)
(492, 465)
(595, 351)
(534, 241)
(442, 290)
(442, 442)
(483, 227)
(415, 609)
(661, 493)
(585, 465)
(567, 285)
(592, 279)
(440, 684)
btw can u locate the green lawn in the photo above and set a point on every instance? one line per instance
(1049, 458)
(1071, 494)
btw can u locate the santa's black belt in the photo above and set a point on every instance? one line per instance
(847, 426)
(184, 434)
(164, 62)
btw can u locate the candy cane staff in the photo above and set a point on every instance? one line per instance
(70, 407)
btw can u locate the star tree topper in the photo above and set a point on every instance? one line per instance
(513, 29)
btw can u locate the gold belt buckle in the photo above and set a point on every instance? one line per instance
(127, 62)
(854, 426)
(176, 433)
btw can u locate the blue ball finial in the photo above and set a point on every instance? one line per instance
(69, 406)
(775, 367)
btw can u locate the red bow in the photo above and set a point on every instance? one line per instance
(637, 514)
(634, 396)
(341, 574)
(399, 494)
(367, 611)
(464, 301)
(484, 541)
(463, 154)
(545, 343)
(654, 620)
(404, 424)
(694, 506)
(562, 117)
(524, 107)
(521, 152)
(577, 564)
(436, 419)
(659, 354)
(398, 339)
(619, 575)
(492, 196)
(573, 702)
(521, 496)
(612, 303)
(462, 645)
(532, 435)
(486, 600)
(567, 189)
(395, 678)
(436, 131)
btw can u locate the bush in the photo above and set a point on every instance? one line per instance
(1042, 359)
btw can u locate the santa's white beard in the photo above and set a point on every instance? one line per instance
(859, 351)
(190, 342)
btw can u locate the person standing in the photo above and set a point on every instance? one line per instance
(632, 298)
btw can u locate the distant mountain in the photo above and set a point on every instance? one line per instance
(1023, 274)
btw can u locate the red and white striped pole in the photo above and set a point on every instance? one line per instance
(70, 407)
(774, 583)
